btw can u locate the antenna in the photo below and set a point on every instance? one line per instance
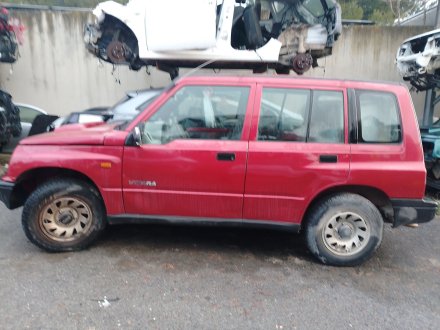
(201, 66)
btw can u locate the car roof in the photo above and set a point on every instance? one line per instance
(18, 104)
(426, 34)
(294, 80)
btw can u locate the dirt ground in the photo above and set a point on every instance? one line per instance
(4, 159)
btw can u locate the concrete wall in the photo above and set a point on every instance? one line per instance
(368, 53)
(56, 73)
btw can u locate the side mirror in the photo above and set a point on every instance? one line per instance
(137, 136)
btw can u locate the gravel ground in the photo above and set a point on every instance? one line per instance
(157, 277)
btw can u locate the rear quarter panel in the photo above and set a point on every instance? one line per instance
(396, 169)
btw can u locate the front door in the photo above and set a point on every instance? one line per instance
(192, 159)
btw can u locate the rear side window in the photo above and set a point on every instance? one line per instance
(378, 117)
(301, 115)
(284, 115)
(327, 120)
(27, 115)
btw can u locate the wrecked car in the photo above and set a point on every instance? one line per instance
(254, 34)
(431, 150)
(418, 60)
(10, 125)
(11, 35)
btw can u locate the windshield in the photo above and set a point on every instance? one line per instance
(132, 104)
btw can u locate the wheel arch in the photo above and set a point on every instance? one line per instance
(113, 22)
(129, 34)
(376, 196)
(28, 181)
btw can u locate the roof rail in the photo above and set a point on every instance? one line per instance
(43, 7)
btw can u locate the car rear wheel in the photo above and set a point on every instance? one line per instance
(344, 230)
(63, 215)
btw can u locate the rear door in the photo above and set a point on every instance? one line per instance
(298, 147)
(192, 160)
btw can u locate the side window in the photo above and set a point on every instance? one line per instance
(198, 112)
(284, 115)
(27, 115)
(378, 117)
(327, 119)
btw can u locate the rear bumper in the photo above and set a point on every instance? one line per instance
(410, 211)
(6, 189)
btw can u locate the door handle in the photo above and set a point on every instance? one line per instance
(328, 159)
(226, 157)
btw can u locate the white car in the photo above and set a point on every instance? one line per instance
(418, 60)
(254, 34)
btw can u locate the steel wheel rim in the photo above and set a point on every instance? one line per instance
(66, 219)
(346, 234)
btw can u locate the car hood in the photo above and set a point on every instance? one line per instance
(77, 134)
(423, 35)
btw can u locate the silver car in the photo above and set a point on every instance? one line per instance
(27, 115)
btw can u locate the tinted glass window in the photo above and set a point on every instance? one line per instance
(198, 112)
(327, 119)
(284, 115)
(378, 117)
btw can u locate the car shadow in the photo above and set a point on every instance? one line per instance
(258, 242)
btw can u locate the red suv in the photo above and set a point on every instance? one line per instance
(334, 159)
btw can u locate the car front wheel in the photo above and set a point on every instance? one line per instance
(344, 230)
(63, 215)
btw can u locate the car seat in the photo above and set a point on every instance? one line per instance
(254, 36)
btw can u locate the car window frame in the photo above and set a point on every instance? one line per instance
(21, 107)
(312, 88)
(160, 100)
(357, 115)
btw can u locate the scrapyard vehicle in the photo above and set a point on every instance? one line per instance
(418, 60)
(431, 150)
(11, 34)
(10, 125)
(253, 34)
(325, 157)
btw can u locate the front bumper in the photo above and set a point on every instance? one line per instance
(411, 211)
(6, 189)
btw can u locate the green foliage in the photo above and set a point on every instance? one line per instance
(67, 3)
(380, 11)
(382, 17)
(351, 10)
(369, 6)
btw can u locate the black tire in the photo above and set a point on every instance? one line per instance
(4, 136)
(282, 70)
(68, 205)
(344, 230)
(14, 120)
